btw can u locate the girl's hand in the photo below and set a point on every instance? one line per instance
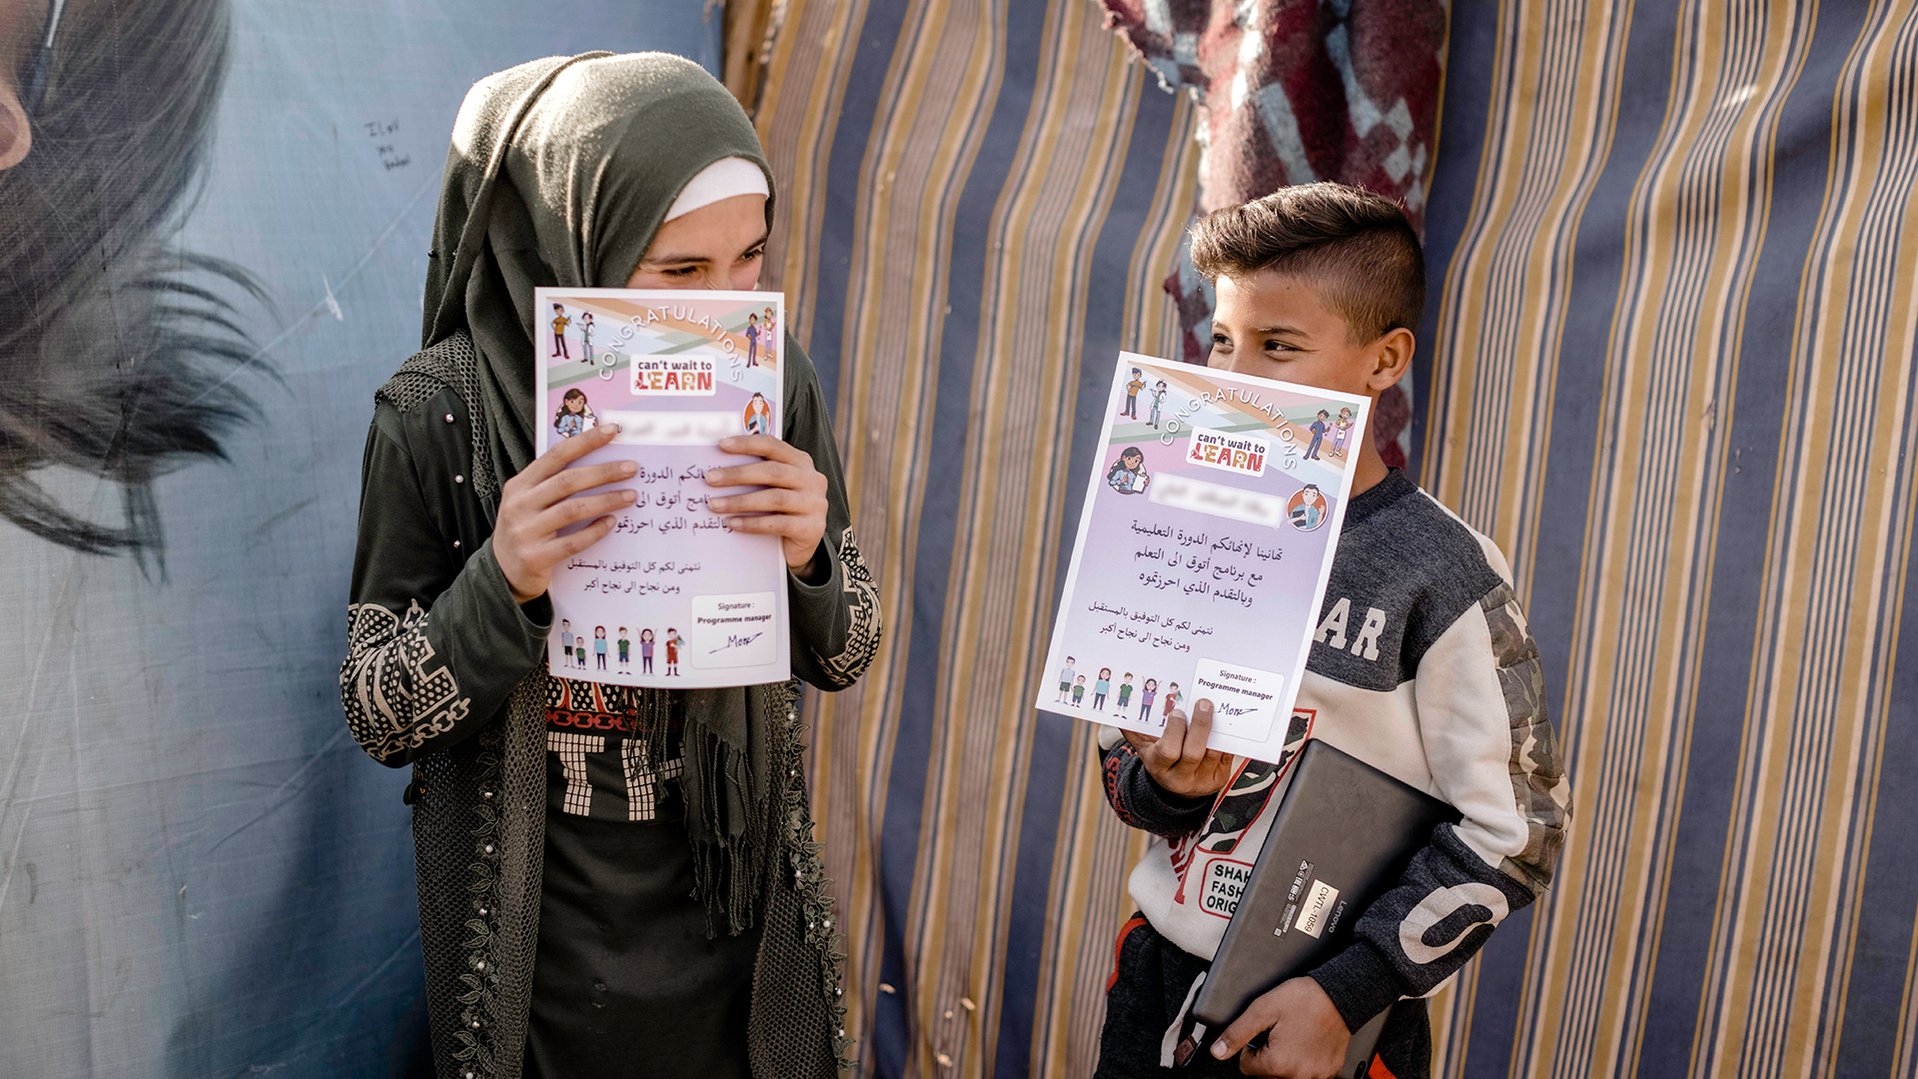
(792, 506)
(537, 504)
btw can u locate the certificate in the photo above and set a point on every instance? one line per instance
(1210, 521)
(672, 598)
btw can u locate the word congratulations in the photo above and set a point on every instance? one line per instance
(1245, 395)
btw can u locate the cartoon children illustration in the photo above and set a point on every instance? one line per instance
(674, 642)
(1101, 687)
(560, 322)
(1342, 430)
(769, 333)
(566, 640)
(645, 651)
(1127, 474)
(1319, 427)
(1079, 691)
(1132, 388)
(1306, 509)
(599, 645)
(759, 416)
(579, 651)
(1171, 698)
(1066, 675)
(1158, 403)
(1150, 691)
(625, 652)
(575, 416)
(1125, 691)
(752, 339)
(586, 337)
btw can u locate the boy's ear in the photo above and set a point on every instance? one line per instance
(1391, 358)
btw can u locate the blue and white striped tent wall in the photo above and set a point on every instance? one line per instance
(1667, 364)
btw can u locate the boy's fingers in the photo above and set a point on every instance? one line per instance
(1259, 1016)
(1140, 740)
(1194, 750)
(1172, 739)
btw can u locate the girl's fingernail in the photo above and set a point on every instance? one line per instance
(1220, 1050)
(629, 495)
(628, 468)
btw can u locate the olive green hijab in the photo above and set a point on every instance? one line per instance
(561, 171)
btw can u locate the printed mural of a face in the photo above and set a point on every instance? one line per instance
(122, 354)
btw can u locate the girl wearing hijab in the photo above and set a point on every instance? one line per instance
(612, 881)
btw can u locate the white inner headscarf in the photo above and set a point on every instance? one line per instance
(726, 178)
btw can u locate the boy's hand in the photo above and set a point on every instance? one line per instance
(1305, 1035)
(1177, 759)
(792, 506)
(538, 502)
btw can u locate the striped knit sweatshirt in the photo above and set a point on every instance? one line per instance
(1422, 667)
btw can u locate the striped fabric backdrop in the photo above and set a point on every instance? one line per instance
(986, 196)
(1674, 368)
(1668, 365)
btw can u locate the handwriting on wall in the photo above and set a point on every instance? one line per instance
(382, 133)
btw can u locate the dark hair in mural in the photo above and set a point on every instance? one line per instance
(118, 352)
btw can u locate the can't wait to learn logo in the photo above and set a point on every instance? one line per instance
(1243, 454)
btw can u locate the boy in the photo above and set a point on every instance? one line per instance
(1421, 665)
(560, 322)
(1319, 427)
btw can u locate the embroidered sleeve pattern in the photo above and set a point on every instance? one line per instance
(859, 644)
(396, 694)
(837, 623)
(435, 640)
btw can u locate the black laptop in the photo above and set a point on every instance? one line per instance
(1341, 836)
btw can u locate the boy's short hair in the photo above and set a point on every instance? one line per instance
(1357, 248)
